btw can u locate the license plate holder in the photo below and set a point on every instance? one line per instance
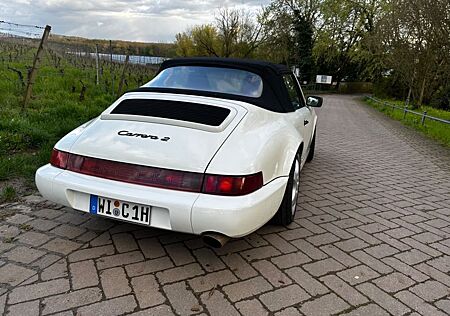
(118, 209)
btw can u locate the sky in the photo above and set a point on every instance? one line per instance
(132, 20)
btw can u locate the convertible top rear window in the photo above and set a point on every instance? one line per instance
(175, 110)
(213, 79)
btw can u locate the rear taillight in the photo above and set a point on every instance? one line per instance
(157, 177)
(59, 159)
(232, 185)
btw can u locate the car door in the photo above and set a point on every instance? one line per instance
(301, 117)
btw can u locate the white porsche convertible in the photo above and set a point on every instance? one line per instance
(210, 146)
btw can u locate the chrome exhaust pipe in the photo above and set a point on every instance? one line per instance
(215, 240)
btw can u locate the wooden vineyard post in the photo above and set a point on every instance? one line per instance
(97, 74)
(122, 77)
(34, 69)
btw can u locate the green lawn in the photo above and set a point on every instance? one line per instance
(436, 130)
(27, 137)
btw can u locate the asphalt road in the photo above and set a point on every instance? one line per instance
(371, 237)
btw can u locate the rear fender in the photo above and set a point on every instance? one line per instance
(268, 146)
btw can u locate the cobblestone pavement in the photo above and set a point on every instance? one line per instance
(371, 237)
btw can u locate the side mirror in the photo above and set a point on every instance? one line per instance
(314, 101)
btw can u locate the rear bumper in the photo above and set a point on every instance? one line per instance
(173, 210)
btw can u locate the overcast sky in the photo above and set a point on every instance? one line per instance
(134, 20)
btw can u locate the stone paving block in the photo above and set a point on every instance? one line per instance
(323, 267)
(83, 274)
(323, 239)
(13, 274)
(430, 290)
(441, 263)
(295, 234)
(147, 291)
(421, 247)
(43, 224)
(151, 248)
(62, 302)
(182, 300)
(179, 273)
(290, 260)
(284, 297)
(61, 246)
(212, 280)
(260, 253)
(28, 308)
(351, 244)
(244, 289)
(394, 282)
(345, 291)
(114, 282)
(33, 238)
(38, 290)
(124, 242)
(91, 253)
(115, 306)
(233, 246)
(412, 257)
(339, 255)
(434, 273)
(279, 243)
(290, 311)
(56, 270)
(251, 308)
(324, 305)
(310, 284)
(48, 213)
(23, 255)
(338, 232)
(119, 259)
(392, 241)
(417, 304)
(68, 231)
(161, 310)
(370, 261)
(367, 310)
(444, 305)
(368, 238)
(358, 274)
(272, 274)
(101, 240)
(46, 261)
(381, 251)
(217, 304)
(392, 305)
(148, 266)
(310, 250)
(208, 259)
(239, 266)
(179, 254)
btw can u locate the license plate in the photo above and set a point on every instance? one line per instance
(117, 209)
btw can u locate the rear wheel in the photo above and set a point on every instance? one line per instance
(286, 212)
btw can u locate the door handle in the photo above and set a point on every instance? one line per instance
(305, 122)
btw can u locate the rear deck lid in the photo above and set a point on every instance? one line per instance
(167, 131)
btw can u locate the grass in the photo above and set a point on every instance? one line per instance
(8, 195)
(435, 130)
(27, 137)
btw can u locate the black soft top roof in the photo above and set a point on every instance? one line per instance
(274, 96)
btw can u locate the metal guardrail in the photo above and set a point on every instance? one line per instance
(405, 110)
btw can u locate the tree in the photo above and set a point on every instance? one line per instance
(235, 33)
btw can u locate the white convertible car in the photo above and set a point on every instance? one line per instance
(210, 146)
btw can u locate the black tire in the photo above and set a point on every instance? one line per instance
(285, 214)
(311, 149)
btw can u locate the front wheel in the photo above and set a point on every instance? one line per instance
(286, 212)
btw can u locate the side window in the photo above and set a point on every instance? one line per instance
(295, 94)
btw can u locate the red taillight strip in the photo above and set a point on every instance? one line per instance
(157, 177)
